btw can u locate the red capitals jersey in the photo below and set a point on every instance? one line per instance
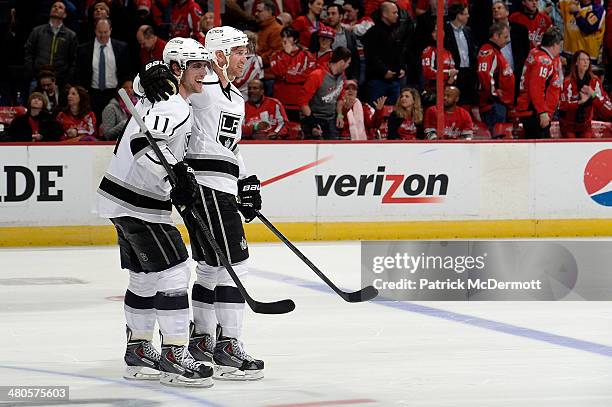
(541, 83)
(495, 77)
(323, 58)
(570, 96)
(401, 128)
(185, 19)
(457, 124)
(536, 25)
(290, 71)
(430, 65)
(603, 106)
(270, 111)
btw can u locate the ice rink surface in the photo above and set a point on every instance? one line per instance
(62, 323)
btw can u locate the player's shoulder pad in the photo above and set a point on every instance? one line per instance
(164, 116)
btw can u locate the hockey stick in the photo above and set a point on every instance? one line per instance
(278, 307)
(365, 294)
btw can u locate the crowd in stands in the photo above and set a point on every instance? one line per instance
(321, 69)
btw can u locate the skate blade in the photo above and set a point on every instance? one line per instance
(176, 380)
(141, 373)
(234, 374)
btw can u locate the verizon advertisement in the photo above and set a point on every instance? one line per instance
(368, 182)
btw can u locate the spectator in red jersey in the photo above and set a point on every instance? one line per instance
(457, 121)
(406, 120)
(186, 15)
(321, 46)
(268, 36)
(536, 22)
(290, 67)
(77, 119)
(541, 84)
(580, 91)
(357, 120)
(264, 117)
(430, 69)
(495, 77)
(309, 23)
(151, 46)
(36, 125)
(319, 96)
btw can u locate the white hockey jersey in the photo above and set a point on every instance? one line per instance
(217, 128)
(135, 183)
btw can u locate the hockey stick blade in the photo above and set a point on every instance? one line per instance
(365, 294)
(279, 307)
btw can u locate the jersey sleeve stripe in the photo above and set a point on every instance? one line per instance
(220, 166)
(135, 199)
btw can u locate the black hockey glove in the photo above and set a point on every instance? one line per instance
(249, 197)
(186, 190)
(158, 82)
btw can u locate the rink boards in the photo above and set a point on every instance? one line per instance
(333, 191)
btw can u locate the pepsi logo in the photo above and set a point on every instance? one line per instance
(598, 177)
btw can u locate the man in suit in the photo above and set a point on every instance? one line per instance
(458, 40)
(517, 49)
(103, 65)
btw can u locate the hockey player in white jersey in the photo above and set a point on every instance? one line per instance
(225, 189)
(137, 197)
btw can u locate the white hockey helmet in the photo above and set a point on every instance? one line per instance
(183, 50)
(224, 39)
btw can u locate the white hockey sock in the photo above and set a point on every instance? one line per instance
(203, 299)
(173, 317)
(229, 310)
(229, 303)
(139, 305)
(172, 305)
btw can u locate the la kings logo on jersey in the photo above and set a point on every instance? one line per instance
(227, 133)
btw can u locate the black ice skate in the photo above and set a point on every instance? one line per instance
(201, 346)
(179, 368)
(233, 363)
(141, 358)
